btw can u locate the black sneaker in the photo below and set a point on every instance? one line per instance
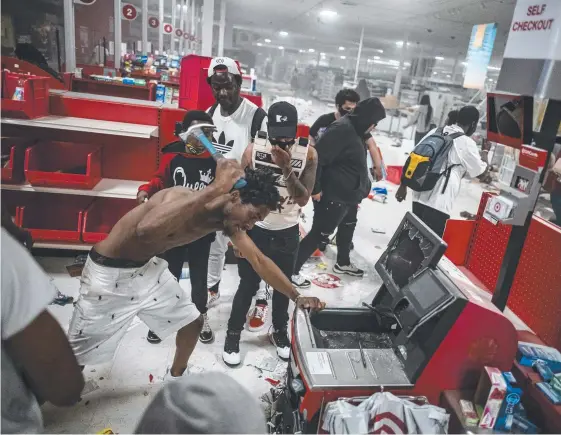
(300, 282)
(153, 338)
(62, 299)
(231, 354)
(349, 269)
(282, 343)
(206, 335)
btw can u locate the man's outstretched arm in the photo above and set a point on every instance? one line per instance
(269, 271)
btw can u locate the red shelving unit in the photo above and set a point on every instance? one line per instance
(113, 143)
(12, 171)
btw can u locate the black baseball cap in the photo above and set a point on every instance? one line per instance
(282, 120)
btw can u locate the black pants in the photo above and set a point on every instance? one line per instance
(197, 254)
(433, 218)
(329, 215)
(280, 246)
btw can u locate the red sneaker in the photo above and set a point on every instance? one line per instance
(257, 317)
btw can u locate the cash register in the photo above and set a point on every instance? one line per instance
(427, 329)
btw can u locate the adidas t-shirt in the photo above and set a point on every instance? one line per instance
(233, 133)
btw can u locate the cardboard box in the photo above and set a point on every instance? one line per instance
(511, 404)
(489, 395)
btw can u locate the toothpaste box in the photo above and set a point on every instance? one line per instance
(530, 352)
(510, 403)
(489, 395)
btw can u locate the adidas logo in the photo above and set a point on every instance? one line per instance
(206, 177)
(222, 141)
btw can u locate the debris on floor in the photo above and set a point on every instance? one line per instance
(326, 280)
(151, 377)
(62, 299)
(90, 386)
(378, 230)
(264, 362)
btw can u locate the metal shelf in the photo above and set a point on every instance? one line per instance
(107, 187)
(69, 123)
(56, 245)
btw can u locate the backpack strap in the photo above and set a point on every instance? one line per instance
(212, 109)
(258, 118)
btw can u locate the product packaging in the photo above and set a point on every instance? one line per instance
(549, 393)
(543, 369)
(521, 424)
(510, 403)
(490, 393)
(18, 94)
(530, 352)
(161, 93)
(468, 412)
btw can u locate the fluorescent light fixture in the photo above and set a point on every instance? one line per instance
(393, 62)
(407, 63)
(399, 43)
(267, 40)
(300, 51)
(322, 54)
(380, 51)
(283, 33)
(438, 57)
(434, 73)
(341, 48)
(327, 13)
(377, 57)
(343, 57)
(259, 44)
(448, 76)
(281, 47)
(311, 50)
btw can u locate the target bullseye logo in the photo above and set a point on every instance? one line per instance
(168, 28)
(497, 207)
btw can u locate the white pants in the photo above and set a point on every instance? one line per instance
(217, 258)
(111, 297)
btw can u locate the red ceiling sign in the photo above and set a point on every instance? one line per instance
(168, 28)
(129, 12)
(153, 22)
(178, 32)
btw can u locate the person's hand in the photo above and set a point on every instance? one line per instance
(228, 171)
(401, 193)
(237, 253)
(281, 157)
(310, 303)
(317, 197)
(377, 173)
(142, 196)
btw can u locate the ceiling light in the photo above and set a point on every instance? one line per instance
(435, 73)
(407, 64)
(326, 13)
(341, 48)
(300, 51)
(283, 33)
(311, 50)
(343, 57)
(399, 43)
(448, 76)
(377, 57)
(380, 51)
(259, 44)
(322, 54)
(281, 47)
(369, 61)
(438, 57)
(267, 40)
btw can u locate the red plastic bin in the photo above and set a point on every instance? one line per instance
(54, 218)
(56, 163)
(35, 94)
(102, 215)
(12, 170)
(394, 174)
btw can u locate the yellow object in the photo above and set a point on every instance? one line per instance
(106, 431)
(415, 160)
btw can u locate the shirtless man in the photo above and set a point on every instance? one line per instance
(122, 278)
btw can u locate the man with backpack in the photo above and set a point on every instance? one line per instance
(435, 168)
(237, 122)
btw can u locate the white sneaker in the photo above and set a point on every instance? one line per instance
(350, 269)
(212, 298)
(281, 342)
(300, 282)
(231, 353)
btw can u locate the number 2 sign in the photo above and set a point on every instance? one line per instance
(129, 12)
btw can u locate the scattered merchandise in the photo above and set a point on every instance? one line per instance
(489, 395)
(327, 280)
(521, 424)
(510, 403)
(468, 411)
(18, 94)
(529, 352)
(544, 371)
(378, 230)
(549, 392)
(265, 362)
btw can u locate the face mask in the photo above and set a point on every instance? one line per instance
(343, 111)
(283, 145)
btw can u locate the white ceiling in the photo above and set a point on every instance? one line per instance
(440, 27)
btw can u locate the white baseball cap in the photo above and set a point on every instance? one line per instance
(223, 63)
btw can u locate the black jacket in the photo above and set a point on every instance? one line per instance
(342, 168)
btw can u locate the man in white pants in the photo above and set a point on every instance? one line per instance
(237, 121)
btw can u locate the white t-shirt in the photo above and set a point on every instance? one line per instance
(465, 154)
(233, 133)
(26, 292)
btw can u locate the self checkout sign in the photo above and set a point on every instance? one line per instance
(129, 12)
(178, 33)
(153, 22)
(168, 28)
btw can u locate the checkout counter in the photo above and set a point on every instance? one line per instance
(428, 329)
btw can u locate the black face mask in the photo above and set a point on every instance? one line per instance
(343, 111)
(283, 145)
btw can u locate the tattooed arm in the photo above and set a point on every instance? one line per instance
(299, 189)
